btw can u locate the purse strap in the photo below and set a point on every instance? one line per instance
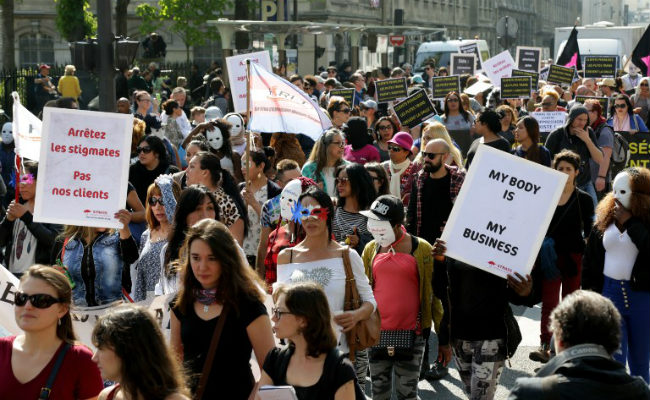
(352, 299)
(47, 389)
(211, 352)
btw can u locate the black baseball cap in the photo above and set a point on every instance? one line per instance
(386, 208)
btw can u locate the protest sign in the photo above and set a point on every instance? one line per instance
(529, 58)
(604, 102)
(499, 67)
(560, 75)
(600, 66)
(347, 94)
(533, 75)
(518, 87)
(83, 173)
(26, 131)
(462, 64)
(491, 226)
(478, 87)
(548, 121)
(639, 149)
(472, 48)
(415, 109)
(390, 90)
(237, 75)
(441, 85)
(8, 287)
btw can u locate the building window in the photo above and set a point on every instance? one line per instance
(205, 54)
(35, 48)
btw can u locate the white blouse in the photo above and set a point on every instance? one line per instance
(620, 254)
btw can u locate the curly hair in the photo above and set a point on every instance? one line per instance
(639, 203)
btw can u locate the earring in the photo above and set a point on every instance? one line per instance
(59, 322)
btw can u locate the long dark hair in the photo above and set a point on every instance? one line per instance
(360, 184)
(221, 177)
(158, 147)
(324, 200)
(381, 175)
(190, 198)
(627, 101)
(224, 126)
(236, 279)
(532, 128)
(149, 370)
(379, 121)
(461, 109)
(263, 155)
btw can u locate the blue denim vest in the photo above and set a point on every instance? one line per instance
(108, 269)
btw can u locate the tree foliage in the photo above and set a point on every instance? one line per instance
(74, 20)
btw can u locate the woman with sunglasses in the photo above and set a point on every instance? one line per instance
(455, 117)
(355, 193)
(325, 157)
(133, 353)
(339, 111)
(401, 171)
(152, 162)
(161, 205)
(310, 363)
(379, 178)
(385, 128)
(623, 118)
(142, 106)
(217, 284)
(42, 310)
(319, 258)
(641, 99)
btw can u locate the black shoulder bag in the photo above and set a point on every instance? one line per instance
(47, 389)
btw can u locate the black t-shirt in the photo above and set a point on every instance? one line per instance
(437, 207)
(569, 221)
(500, 144)
(230, 376)
(337, 371)
(140, 177)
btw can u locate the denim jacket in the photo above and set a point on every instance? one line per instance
(108, 269)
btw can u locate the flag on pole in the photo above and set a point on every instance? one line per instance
(570, 56)
(278, 106)
(26, 130)
(641, 53)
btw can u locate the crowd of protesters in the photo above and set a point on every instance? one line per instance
(360, 210)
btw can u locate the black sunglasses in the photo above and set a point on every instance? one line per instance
(154, 200)
(620, 105)
(39, 300)
(345, 110)
(341, 181)
(145, 150)
(384, 127)
(395, 148)
(430, 156)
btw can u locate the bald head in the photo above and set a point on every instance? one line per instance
(437, 146)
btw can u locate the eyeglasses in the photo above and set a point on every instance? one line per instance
(341, 181)
(39, 300)
(145, 100)
(154, 200)
(345, 111)
(644, 84)
(395, 149)
(620, 106)
(384, 127)
(430, 156)
(144, 149)
(340, 144)
(278, 314)
(452, 100)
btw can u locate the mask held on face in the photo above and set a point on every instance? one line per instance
(622, 189)
(7, 133)
(381, 231)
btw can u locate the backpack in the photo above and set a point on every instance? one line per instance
(620, 150)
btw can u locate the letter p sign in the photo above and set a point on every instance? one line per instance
(269, 10)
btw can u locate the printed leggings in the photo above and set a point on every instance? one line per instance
(480, 363)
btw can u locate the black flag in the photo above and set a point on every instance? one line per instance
(570, 56)
(641, 53)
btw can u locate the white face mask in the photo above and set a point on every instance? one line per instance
(622, 189)
(633, 70)
(7, 133)
(215, 138)
(289, 197)
(381, 231)
(237, 124)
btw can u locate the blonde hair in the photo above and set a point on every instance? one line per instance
(465, 101)
(436, 130)
(70, 69)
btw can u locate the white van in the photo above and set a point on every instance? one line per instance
(441, 52)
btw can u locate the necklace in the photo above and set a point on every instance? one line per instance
(207, 297)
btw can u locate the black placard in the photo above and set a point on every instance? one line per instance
(516, 87)
(472, 48)
(639, 149)
(560, 75)
(441, 85)
(600, 67)
(462, 64)
(390, 89)
(347, 94)
(533, 75)
(528, 59)
(604, 102)
(414, 109)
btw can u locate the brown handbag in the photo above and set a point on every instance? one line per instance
(365, 333)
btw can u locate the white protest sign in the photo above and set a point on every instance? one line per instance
(499, 66)
(26, 131)
(549, 120)
(84, 167)
(491, 225)
(8, 287)
(237, 75)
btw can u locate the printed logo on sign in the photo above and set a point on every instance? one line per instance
(492, 264)
(281, 95)
(97, 214)
(86, 211)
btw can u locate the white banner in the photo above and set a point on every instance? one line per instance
(8, 286)
(499, 66)
(502, 212)
(26, 131)
(279, 106)
(237, 76)
(84, 167)
(549, 120)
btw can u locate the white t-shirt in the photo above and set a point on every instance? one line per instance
(620, 254)
(328, 173)
(23, 249)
